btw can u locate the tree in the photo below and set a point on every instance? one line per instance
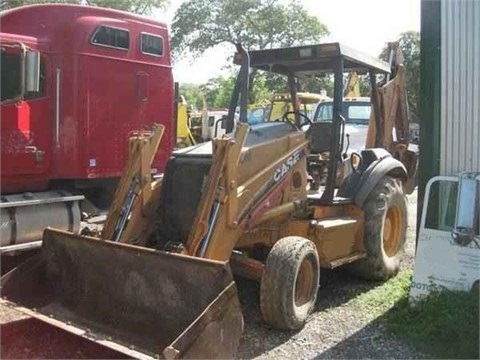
(318, 84)
(193, 95)
(410, 45)
(142, 7)
(257, 24)
(218, 91)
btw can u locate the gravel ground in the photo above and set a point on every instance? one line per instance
(337, 329)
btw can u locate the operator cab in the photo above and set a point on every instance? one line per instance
(329, 160)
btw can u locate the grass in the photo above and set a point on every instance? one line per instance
(444, 325)
(384, 297)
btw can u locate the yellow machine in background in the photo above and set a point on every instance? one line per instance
(184, 135)
(353, 86)
(306, 104)
(195, 126)
(258, 112)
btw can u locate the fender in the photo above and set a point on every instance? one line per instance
(360, 184)
(374, 173)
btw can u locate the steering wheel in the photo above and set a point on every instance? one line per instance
(307, 122)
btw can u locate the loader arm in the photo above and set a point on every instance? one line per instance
(247, 179)
(226, 154)
(260, 169)
(129, 219)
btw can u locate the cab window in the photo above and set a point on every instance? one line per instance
(111, 37)
(211, 121)
(151, 44)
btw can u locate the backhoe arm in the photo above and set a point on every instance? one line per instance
(393, 118)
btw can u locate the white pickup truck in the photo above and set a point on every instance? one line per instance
(356, 111)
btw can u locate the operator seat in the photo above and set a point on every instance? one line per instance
(319, 134)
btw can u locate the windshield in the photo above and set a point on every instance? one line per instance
(279, 108)
(355, 112)
(358, 113)
(195, 121)
(256, 116)
(11, 68)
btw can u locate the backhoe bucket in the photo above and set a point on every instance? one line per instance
(141, 302)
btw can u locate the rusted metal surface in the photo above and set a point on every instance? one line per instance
(247, 267)
(141, 302)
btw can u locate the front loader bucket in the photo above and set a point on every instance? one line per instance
(141, 302)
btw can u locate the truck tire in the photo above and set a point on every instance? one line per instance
(289, 284)
(385, 231)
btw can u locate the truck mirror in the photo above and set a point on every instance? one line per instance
(467, 221)
(223, 124)
(32, 71)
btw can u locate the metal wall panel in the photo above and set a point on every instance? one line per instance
(460, 86)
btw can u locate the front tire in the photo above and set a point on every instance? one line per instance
(385, 231)
(289, 285)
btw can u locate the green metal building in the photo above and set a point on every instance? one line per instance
(450, 88)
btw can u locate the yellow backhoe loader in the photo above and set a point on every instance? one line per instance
(158, 281)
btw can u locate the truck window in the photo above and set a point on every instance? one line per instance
(359, 114)
(111, 37)
(211, 121)
(308, 110)
(324, 113)
(195, 121)
(151, 44)
(442, 204)
(356, 113)
(11, 77)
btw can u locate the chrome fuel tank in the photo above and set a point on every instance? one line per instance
(23, 217)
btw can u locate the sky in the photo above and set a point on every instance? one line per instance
(365, 25)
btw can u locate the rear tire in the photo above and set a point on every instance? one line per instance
(385, 231)
(289, 285)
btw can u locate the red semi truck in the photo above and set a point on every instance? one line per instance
(76, 82)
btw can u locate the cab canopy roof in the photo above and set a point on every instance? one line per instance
(311, 60)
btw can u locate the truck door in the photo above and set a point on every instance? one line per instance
(25, 125)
